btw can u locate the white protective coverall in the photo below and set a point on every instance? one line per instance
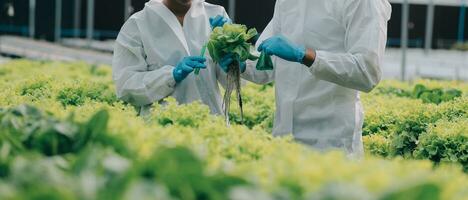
(151, 43)
(320, 105)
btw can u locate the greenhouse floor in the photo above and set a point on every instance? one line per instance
(42, 50)
(437, 64)
(3, 59)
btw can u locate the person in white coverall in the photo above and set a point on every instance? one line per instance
(159, 47)
(326, 52)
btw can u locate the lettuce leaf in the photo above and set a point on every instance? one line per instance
(232, 39)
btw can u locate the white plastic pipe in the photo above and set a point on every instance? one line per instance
(127, 9)
(232, 10)
(77, 18)
(90, 21)
(429, 26)
(32, 18)
(58, 20)
(404, 37)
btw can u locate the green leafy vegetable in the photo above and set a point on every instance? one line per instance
(232, 40)
(435, 95)
(26, 128)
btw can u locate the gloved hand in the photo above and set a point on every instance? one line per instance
(218, 21)
(186, 66)
(280, 46)
(227, 60)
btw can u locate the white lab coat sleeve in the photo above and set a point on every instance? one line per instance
(137, 82)
(366, 34)
(251, 73)
(259, 77)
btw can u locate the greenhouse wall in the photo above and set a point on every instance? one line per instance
(109, 17)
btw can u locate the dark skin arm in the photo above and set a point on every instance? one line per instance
(309, 57)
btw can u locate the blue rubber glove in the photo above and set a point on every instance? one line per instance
(187, 66)
(218, 21)
(227, 60)
(280, 46)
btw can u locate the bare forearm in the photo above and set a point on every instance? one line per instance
(309, 57)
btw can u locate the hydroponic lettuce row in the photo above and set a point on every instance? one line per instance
(434, 95)
(99, 149)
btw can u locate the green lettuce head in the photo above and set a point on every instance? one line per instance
(232, 39)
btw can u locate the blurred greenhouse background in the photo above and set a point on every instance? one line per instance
(426, 38)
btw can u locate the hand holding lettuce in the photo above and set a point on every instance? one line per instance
(234, 40)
